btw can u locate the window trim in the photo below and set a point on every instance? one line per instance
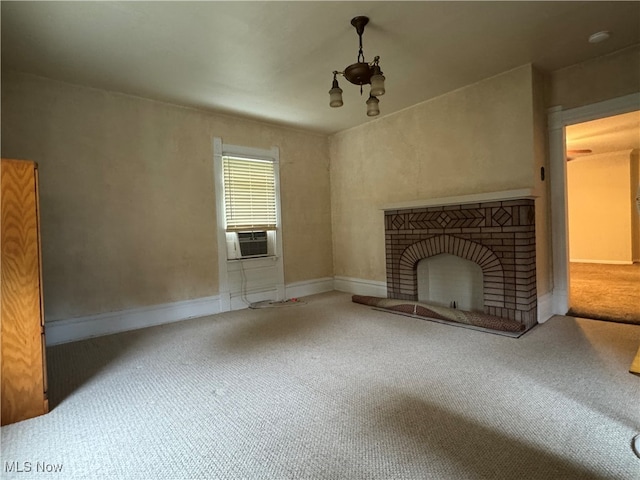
(221, 149)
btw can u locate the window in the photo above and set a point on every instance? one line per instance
(247, 200)
(249, 194)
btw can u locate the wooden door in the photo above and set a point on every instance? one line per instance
(23, 372)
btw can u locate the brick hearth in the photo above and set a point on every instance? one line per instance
(498, 236)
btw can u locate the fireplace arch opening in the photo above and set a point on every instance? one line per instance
(447, 280)
(486, 259)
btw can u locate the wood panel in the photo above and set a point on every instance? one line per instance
(635, 364)
(22, 371)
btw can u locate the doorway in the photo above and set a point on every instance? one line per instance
(603, 174)
(559, 122)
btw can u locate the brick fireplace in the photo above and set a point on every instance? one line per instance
(499, 236)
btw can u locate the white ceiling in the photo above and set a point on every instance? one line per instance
(272, 61)
(605, 135)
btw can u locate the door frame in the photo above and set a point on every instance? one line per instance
(557, 120)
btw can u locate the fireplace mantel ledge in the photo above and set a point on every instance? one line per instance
(463, 199)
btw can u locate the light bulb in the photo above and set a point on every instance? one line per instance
(377, 85)
(372, 106)
(335, 94)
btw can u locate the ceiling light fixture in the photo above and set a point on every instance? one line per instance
(360, 73)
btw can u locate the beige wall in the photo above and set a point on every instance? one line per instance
(542, 188)
(600, 208)
(474, 140)
(128, 207)
(602, 78)
(127, 200)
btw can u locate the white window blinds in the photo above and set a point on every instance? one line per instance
(249, 194)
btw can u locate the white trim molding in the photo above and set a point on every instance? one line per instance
(605, 262)
(558, 119)
(223, 277)
(607, 108)
(359, 286)
(309, 287)
(463, 199)
(81, 328)
(90, 326)
(545, 307)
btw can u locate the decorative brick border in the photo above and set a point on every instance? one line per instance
(498, 236)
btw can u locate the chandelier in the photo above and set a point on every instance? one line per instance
(360, 73)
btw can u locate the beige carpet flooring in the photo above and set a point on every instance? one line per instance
(607, 292)
(335, 390)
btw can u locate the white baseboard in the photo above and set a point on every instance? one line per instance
(606, 262)
(545, 307)
(309, 287)
(80, 328)
(359, 286)
(559, 302)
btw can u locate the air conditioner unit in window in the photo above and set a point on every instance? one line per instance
(252, 244)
